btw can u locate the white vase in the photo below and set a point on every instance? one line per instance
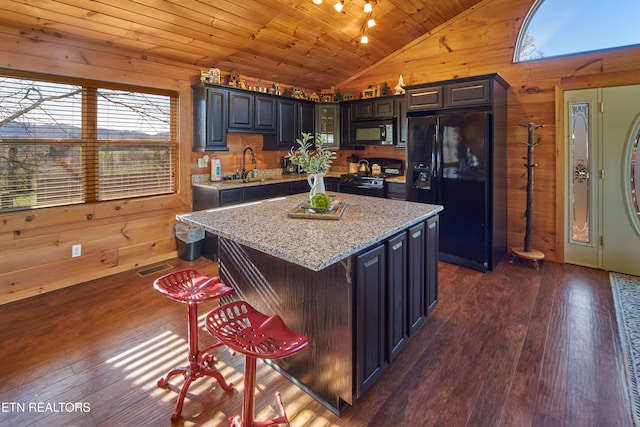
(316, 182)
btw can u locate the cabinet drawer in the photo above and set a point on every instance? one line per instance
(424, 98)
(471, 93)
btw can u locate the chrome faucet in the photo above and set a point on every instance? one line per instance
(245, 174)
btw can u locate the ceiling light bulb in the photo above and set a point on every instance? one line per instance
(339, 5)
(364, 39)
(317, 1)
(371, 22)
(367, 7)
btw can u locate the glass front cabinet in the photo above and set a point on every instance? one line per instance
(328, 123)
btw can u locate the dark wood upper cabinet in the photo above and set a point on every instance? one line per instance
(210, 119)
(265, 113)
(294, 116)
(425, 98)
(240, 110)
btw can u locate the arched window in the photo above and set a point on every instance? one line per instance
(561, 27)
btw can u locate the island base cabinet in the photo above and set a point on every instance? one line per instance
(317, 304)
(370, 286)
(396, 296)
(358, 313)
(416, 277)
(431, 263)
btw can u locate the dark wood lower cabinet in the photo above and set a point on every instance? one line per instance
(396, 295)
(431, 263)
(396, 286)
(370, 317)
(356, 312)
(416, 277)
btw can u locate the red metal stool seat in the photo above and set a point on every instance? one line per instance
(242, 328)
(190, 287)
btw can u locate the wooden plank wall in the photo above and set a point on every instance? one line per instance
(481, 41)
(35, 247)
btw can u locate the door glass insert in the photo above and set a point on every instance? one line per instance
(581, 165)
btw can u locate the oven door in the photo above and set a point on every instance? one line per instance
(362, 190)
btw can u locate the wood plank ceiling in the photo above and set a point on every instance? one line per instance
(295, 42)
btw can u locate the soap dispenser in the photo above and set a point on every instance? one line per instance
(216, 175)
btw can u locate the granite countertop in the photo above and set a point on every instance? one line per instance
(238, 183)
(271, 179)
(312, 243)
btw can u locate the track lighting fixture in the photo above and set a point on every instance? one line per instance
(368, 20)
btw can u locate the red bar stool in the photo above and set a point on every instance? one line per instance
(190, 287)
(242, 328)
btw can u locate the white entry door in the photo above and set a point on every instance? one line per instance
(602, 128)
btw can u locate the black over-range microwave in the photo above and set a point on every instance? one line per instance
(373, 132)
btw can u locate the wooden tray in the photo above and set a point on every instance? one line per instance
(304, 211)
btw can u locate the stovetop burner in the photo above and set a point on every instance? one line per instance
(362, 180)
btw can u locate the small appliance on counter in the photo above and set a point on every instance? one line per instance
(289, 168)
(353, 163)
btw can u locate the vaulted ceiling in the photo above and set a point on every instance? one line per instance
(291, 41)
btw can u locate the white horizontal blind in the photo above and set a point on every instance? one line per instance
(136, 150)
(40, 144)
(63, 143)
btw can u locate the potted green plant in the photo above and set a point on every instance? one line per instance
(315, 162)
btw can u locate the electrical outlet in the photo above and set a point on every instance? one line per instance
(76, 251)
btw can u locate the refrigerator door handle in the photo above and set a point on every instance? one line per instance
(434, 155)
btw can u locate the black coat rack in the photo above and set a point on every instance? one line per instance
(527, 252)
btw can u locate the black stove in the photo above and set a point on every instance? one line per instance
(369, 184)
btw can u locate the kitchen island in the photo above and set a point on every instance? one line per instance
(358, 286)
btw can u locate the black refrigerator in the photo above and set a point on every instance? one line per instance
(451, 162)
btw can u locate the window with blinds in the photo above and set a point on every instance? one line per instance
(63, 143)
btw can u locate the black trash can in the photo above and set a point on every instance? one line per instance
(189, 241)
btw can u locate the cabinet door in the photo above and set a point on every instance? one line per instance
(416, 274)
(427, 98)
(210, 120)
(306, 118)
(396, 190)
(230, 197)
(302, 186)
(468, 93)
(261, 192)
(265, 113)
(370, 321)
(383, 108)
(286, 133)
(362, 110)
(396, 294)
(431, 262)
(402, 122)
(240, 110)
(327, 123)
(330, 183)
(345, 125)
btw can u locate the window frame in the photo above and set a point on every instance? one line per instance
(91, 141)
(523, 32)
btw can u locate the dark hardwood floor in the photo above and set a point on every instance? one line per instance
(515, 347)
